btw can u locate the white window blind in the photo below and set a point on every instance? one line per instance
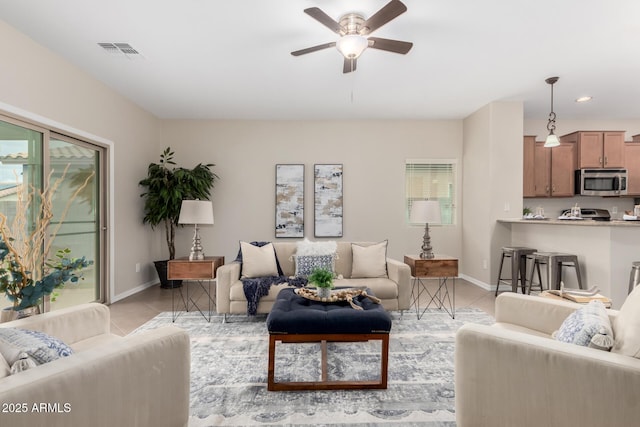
(432, 180)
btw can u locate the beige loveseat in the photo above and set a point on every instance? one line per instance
(140, 380)
(514, 374)
(394, 290)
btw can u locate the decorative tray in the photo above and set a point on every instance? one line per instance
(337, 295)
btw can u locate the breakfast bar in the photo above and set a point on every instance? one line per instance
(605, 249)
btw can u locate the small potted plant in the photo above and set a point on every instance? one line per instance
(322, 279)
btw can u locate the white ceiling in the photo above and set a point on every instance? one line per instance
(231, 59)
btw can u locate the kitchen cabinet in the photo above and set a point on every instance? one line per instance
(632, 164)
(528, 169)
(542, 170)
(563, 165)
(553, 169)
(598, 149)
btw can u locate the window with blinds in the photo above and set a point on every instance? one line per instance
(432, 180)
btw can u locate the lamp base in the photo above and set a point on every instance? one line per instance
(427, 250)
(196, 249)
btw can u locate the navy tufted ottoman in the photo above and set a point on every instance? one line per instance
(294, 319)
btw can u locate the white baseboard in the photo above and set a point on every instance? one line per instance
(485, 286)
(133, 291)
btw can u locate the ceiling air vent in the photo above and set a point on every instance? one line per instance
(120, 49)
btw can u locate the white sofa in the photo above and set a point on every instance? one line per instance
(514, 374)
(394, 290)
(140, 380)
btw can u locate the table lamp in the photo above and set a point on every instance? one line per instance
(196, 212)
(425, 211)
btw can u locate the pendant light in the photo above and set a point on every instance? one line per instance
(552, 140)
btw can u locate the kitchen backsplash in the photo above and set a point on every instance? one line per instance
(554, 206)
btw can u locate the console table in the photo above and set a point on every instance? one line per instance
(441, 267)
(199, 271)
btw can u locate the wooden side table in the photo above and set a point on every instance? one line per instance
(441, 267)
(194, 271)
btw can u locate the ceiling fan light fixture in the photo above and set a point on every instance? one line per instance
(352, 45)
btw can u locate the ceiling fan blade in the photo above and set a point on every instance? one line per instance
(313, 49)
(389, 45)
(349, 65)
(390, 11)
(324, 19)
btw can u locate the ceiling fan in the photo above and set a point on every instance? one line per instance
(353, 29)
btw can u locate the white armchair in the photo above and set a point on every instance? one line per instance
(137, 380)
(514, 374)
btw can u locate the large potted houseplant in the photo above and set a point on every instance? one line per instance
(27, 273)
(166, 186)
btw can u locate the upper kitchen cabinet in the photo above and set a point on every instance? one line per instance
(598, 149)
(563, 165)
(632, 164)
(548, 172)
(528, 169)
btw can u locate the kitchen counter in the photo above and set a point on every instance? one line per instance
(583, 222)
(605, 249)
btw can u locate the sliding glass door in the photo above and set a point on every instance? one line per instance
(36, 158)
(77, 214)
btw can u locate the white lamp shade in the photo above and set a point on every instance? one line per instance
(552, 141)
(352, 45)
(196, 212)
(425, 212)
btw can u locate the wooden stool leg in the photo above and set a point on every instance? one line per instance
(272, 362)
(384, 361)
(323, 350)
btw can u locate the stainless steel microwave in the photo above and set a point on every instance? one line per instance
(601, 182)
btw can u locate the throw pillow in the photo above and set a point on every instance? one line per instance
(305, 264)
(626, 325)
(258, 261)
(22, 348)
(259, 244)
(369, 261)
(307, 247)
(588, 326)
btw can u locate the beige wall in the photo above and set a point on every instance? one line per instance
(492, 186)
(37, 81)
(373, 154)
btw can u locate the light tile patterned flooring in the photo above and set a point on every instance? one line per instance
(132, 312)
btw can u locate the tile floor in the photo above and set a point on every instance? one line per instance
(131, 312)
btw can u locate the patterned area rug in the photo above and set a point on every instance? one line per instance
(229, 374)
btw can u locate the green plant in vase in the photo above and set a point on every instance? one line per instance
(166, 186)
(322, 279)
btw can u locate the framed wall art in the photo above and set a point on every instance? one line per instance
(328, 200)
(289, 200)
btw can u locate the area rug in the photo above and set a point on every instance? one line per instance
(229, 374)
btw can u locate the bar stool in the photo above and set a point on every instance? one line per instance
(518, 267)
(554, 262)
(537, 259)
(634, 278)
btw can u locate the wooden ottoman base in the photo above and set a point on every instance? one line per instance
(325, 384)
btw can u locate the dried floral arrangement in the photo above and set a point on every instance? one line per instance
(27, 273)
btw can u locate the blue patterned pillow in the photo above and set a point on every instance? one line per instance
(305, 264)
(40, 347)
(588, 326)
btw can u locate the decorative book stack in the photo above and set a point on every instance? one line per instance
(578, 295)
